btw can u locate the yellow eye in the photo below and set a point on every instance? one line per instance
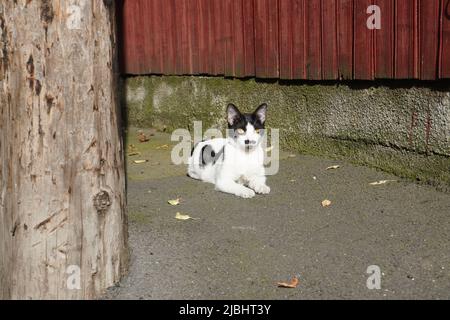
(257, 130)
(240, 131)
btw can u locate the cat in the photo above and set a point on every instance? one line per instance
(234, 164)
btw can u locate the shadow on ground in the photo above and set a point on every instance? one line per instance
(240, 248)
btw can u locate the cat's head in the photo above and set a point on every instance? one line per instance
(247, 129)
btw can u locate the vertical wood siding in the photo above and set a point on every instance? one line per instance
(287, 39)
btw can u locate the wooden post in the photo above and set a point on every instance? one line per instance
(63, 225)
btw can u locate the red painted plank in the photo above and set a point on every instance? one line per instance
(363, 64)
(202, 20)
(299, 39)
(260, 38)
(227, 34)
(429, 38)
(180, 39)
(249, 37)
(177, 39)
(329, 40)
(313, 18)
(220, 41)
(266, 38)
(193, 18)
(345, 38)
(169, 39)
(445, 40)
(163, 26)
(151, 22)
(384, 40)
(185, 39)
(273, 41)
(128, 41)
(292, 39)
(124, 48)
(286, 34)
(211, 38)
(237, 26)
(406, 39)
(138, 51)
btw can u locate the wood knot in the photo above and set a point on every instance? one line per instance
(47, 13)
(30, 65)
(102, 201)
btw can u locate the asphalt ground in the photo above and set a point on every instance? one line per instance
(241, 248)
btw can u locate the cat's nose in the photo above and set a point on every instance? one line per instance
(247, 141)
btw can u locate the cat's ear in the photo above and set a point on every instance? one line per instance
(260, 113)
(233, 114)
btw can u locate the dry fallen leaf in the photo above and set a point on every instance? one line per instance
(140, 161)
(291, 156)
(132, 148)
(326, 203)
(377, 183)
(292, 284)
(333, 167)
(164, 146)
(134, 154)
(180, 216)
(142, 137)
(174, 202)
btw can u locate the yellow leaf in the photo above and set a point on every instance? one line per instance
(326, 203)
(140, 161)
(180, 216)
(174, 202)
(333, 167)
(132, 147)
(377, 183)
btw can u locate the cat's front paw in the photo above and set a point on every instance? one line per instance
(262, 189)
(246, 193)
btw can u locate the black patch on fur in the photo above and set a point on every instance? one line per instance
(208, 155)
(242, 119)
(195, 146)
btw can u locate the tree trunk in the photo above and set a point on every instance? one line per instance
(62, 181)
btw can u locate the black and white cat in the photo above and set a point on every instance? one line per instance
(234, 164)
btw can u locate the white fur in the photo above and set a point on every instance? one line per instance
(239, 170)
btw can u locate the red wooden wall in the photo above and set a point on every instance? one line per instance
(287, 39)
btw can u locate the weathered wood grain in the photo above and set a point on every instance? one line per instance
(62, 184)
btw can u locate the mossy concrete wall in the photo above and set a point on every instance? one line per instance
(400, 127)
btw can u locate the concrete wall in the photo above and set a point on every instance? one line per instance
(400, 127)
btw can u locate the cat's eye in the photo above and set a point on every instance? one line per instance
(258, 131)
(240, 131)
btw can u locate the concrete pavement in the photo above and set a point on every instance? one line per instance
(240, 248)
